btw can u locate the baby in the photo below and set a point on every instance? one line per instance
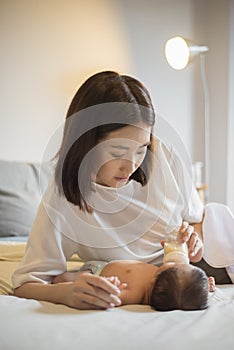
(168, 287)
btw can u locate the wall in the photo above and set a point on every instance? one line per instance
(230, 156)
(47, 49)
(216, 27)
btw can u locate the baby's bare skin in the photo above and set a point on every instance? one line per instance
(138, 277)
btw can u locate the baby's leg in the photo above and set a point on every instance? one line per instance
(211, 283)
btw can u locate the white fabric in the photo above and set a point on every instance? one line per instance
(31, 324)
(218, 234)
(127, 223)
(28, 324)
(95, 267)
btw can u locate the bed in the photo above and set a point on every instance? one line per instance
(30, 324)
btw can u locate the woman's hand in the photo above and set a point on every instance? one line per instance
(193, 240)
(92, 292)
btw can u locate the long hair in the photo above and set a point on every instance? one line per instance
(175, 288)
(107, 101)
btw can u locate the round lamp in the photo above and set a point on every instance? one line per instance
(180, 51)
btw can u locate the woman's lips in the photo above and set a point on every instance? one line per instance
(121, 178)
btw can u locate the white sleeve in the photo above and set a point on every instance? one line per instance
(46, 252)
(218, 235)
(193, 208)
(181, 168)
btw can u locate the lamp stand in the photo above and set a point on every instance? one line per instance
(206, 123)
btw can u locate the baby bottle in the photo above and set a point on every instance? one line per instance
(174, 249)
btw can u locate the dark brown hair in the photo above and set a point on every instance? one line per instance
(175, 288)
(107, 101)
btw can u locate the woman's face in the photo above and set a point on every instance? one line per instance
(120, 154)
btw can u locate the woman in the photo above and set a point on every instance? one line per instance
(115, 194)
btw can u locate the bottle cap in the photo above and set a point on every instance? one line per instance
(176, 257)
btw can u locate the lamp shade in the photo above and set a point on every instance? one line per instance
(179, 51)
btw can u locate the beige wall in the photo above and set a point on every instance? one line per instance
(47, 49)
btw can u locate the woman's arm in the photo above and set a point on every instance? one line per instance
(86, 292)
(45, 256)
(127, 295)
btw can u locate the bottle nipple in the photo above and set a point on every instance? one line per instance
(174, 249)
(176, 257)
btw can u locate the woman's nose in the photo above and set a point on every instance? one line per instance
(128, 166)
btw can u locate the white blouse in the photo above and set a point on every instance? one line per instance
(126, 223)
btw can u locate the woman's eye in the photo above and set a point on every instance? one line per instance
(114, 155)
(142, 152)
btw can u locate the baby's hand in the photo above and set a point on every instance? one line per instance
(115, 280)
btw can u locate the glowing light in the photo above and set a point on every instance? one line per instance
(177, 53)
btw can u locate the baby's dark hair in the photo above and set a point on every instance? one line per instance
(180, 288)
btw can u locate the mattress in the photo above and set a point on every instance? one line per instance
(30, 324)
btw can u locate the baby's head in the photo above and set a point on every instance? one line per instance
(179, 286)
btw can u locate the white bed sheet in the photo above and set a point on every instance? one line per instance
(30, 324)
